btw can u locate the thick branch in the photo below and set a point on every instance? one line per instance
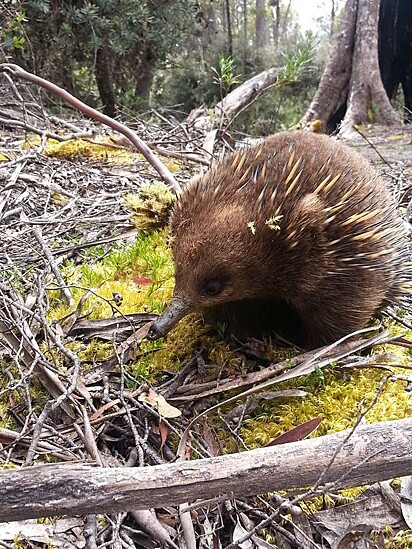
(235, 101)
(373, 453)
(18, 72)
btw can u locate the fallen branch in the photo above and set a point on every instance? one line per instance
(372, 453)
(18, 72)
(237, 100)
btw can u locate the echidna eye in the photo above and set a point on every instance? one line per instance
(212, 287)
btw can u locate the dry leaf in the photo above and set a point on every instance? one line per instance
(159, 403)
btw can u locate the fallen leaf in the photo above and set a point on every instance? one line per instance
(297, 433)
(160, 404)
(142, 281)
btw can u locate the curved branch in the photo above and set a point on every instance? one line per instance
(18, 72)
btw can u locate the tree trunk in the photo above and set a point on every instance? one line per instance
(332, 89)
(365, 87)
(207, 22)
(261, 25)
(104, 82)
(144, 78)
(352, 75)
(229, 29)
(276, 21)
(244, 35)
(395, 50)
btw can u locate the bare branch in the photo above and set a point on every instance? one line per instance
(373, 453)
(18, 72)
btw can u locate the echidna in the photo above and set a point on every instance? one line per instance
(297, 235)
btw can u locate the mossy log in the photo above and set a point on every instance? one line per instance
(371, 453)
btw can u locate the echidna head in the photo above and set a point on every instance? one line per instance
(215, 263)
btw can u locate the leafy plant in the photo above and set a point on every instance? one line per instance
(298, 63)
(12, 30)
(224, 74)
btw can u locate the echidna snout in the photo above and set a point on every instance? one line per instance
(176, 310)
(296, 235)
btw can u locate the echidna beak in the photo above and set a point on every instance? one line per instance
(177, 309)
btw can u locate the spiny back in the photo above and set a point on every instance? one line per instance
(298, 219)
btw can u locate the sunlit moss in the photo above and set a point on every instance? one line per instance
(319, 503)
(102, 148)
(121, 274)
(150, 206)
(338, 398)
(400, 540)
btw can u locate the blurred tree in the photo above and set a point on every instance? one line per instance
(228, 18)
(261, 30)
(275, 4)
(120, 43)
(395, 50)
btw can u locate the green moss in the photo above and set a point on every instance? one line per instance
(150, 207)
(101, 148)
(401, 540)
(338, 398)
(142, 273)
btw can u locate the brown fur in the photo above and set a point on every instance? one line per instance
(296, 234)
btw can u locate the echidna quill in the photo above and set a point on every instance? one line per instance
(296, 235)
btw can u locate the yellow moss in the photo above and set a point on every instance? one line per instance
(401, 540)
(337, 399)
(318, 503)
(141, 273)
(102, 148)
(180, 345)
(121, 272)
(150, 207)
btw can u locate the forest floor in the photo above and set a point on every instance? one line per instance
(68, 238)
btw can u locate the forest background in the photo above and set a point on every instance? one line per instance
(170, 56)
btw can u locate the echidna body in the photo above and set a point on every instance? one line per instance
(297, 235)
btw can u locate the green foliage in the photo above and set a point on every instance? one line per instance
(132, 34)
(12, 30)
(224, 74)
(298, 63)
(287, 102)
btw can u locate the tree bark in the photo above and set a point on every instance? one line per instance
(333, 86)
(365, 86)
(352, 75)
(104, 82)
(370, 454)
(260, 25)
